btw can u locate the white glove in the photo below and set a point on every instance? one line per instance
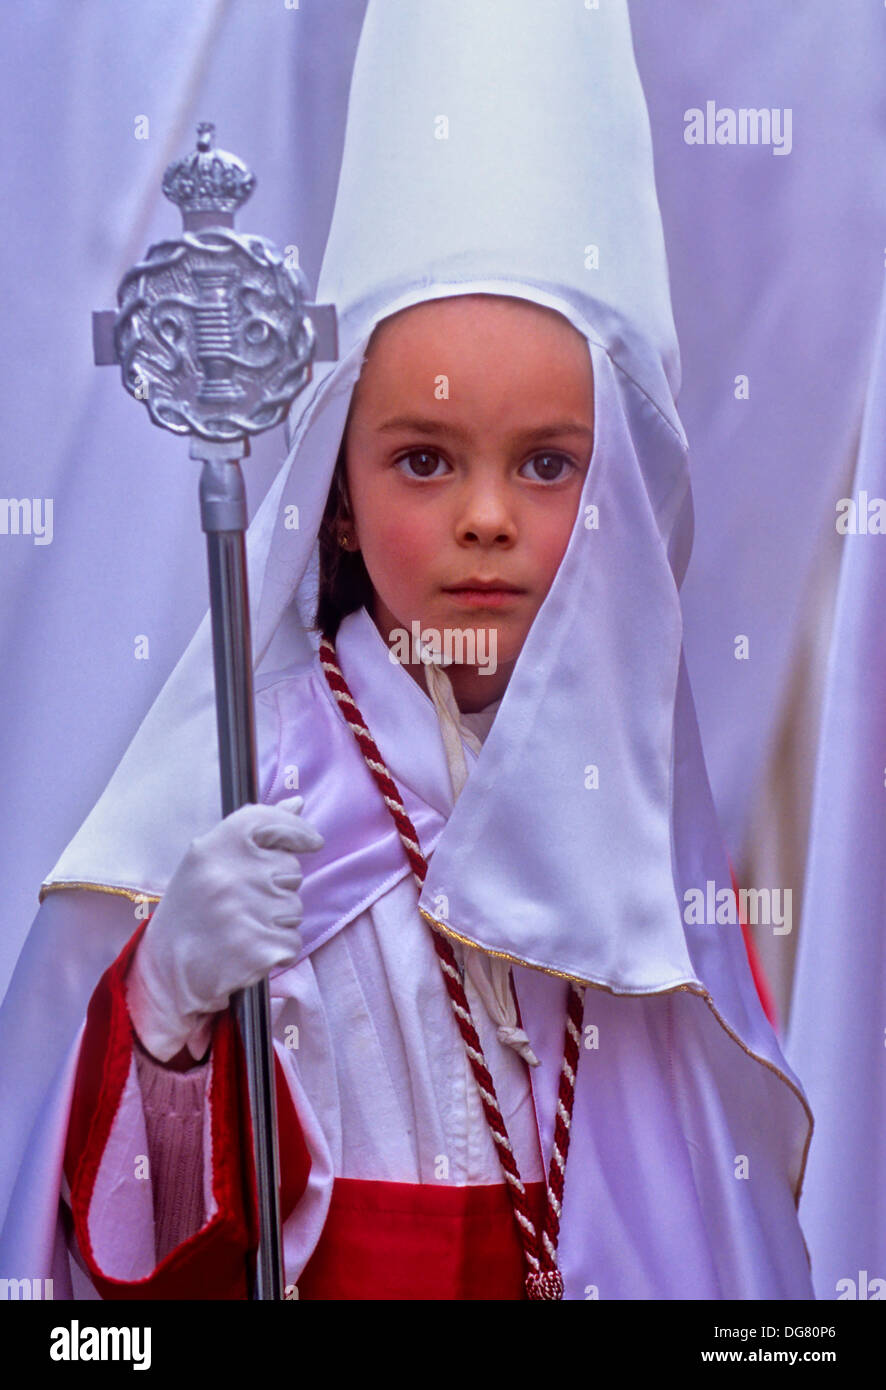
(228, 918)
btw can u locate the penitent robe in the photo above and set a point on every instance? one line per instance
(391, 1183)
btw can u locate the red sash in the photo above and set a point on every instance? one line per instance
(387, 1240)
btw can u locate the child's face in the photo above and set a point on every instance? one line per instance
(470, 434)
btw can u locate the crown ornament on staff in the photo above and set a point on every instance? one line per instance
(214, 332)
(208, 180)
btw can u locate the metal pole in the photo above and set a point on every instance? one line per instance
(224, 519)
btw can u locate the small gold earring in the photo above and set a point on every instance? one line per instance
(344, 541)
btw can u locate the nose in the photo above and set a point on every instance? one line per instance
(486, 515)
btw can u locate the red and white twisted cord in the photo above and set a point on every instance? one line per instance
(544, 1280)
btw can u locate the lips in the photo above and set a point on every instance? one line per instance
(483, 586)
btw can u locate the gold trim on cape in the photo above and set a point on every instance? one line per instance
(699, 991)
(130, 893)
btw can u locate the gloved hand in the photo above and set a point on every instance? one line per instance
(228, 917)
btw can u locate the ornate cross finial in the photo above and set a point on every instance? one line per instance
(214, 331)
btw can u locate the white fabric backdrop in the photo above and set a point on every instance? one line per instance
(776, 263)
(836, 1036)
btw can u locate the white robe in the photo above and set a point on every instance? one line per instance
(384, 1092)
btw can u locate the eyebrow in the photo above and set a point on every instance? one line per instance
(422, 425)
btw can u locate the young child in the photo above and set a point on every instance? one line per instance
(509, 1062)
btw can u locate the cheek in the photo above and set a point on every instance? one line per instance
(548, 540)
(401, 541)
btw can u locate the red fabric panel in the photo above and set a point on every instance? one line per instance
(402, 1241)
(212, 1263)
(764, 993)
(380, 1241)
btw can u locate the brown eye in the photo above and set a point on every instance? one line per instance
(552, 469)
(425, 468)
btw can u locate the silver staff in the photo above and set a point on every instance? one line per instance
(214, 332)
